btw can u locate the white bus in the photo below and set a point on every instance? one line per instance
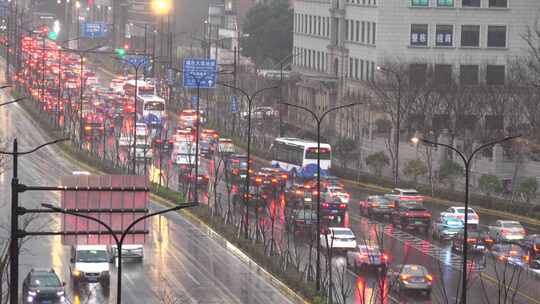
(293, 154)
(153, 110)
(183, 153)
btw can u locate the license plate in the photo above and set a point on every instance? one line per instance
(46, 302)
(480, 247)
(418, 222)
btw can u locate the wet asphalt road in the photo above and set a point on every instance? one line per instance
(181, 261)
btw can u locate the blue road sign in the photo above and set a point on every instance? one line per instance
(200, 73)
(136, 60)
(194, 102)
(94, 29)
(234, 104)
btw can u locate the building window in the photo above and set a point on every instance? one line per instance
(363, 30)
(368, 32)
(357, 32)
(498, 3)
(496, 36)
(356, 68)
(495, 74)
(372, 75)
(417, 74)
(419, 34)
(347, 29)
(362, 69)
(468, 75)
(445, 3)
(319, 26)
(351, 66)
(373, 38)
(443, 74)
(444, 35)
(470, 35)
(420, 3)
(470, 3)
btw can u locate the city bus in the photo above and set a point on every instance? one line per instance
(294, 154)
(153, 110)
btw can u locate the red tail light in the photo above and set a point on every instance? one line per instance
(325, 205)
(471, 240)
(385, 257)
(342, 206)
(404, 277)
(526, 258)
(535, 248)
(284, 176)
(429, 277)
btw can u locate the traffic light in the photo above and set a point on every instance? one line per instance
(53, 35)
(121, 52)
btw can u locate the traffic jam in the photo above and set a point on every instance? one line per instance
(282, 189)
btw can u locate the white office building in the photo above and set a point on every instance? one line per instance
(339, 43)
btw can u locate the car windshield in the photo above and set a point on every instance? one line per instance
(511, 225)
(417, 209)
(409, 193)
(462, 210)
(45, 280)
(306, 214)
(92, 256)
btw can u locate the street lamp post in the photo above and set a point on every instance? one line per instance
(250, 99)
(281, 63)
(319, 119)
(118, 241)
(467, 162)
(398, 114)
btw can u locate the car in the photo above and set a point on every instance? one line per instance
(130, 251)
(476, 241)
(299, 196)
(303, 220)
(534, 268)
(531, 244)
(365, 255)
(376, 206)
(43, 286)
(334, 192)
(473, 220)
(506, 231)
(511, 254)
(338, 238)
(410, 277)
(445, 228)
(400, 194)
(236, 166)
(90, 264)
(412, 216)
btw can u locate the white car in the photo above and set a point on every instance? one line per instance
(365, 256)
(459, 212)
(90, 264)
(336, 192)
(338, 239)
(504, 230)
(134, 251)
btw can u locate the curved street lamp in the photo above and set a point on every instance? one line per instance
(118, 241)
(467, 162)
(319, 119)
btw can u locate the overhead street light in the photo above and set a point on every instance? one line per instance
(467, 162)
(161, 7)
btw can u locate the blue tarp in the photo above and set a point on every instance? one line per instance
(310, 171)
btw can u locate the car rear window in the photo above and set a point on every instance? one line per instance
(511, 225)
(417, 209)
(413, 270)
(343, 232)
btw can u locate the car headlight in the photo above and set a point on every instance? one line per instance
(62, 299)
(32, 293)
(76, 273)
(60, 293)
(29, 299)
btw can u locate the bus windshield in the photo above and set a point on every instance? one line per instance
(154, 106)
(146, 90)
(311, 153)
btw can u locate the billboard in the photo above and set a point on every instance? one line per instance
(118, 209)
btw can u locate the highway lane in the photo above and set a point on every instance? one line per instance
(422, 250)
(197, 268)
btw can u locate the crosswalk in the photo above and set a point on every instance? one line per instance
(444, 255)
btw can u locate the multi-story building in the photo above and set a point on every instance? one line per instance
(338, 45)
